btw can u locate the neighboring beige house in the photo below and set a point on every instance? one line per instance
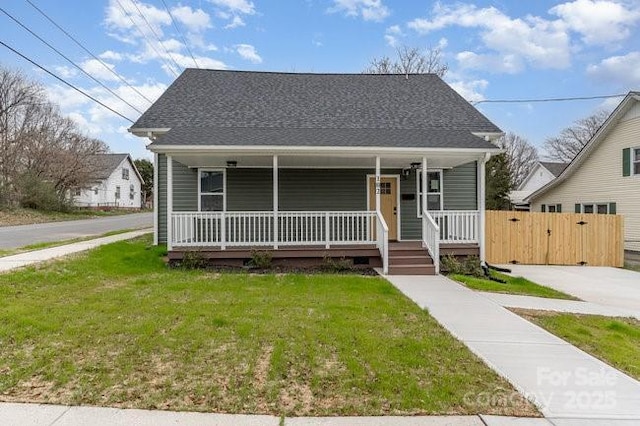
(541, 174)
(604, 178)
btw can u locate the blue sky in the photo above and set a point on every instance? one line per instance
(495, 50)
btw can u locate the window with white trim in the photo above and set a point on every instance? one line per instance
(212, 191)
(117, 192)
(434, 190)
(132, 192)
(599, 208)
(635, 161)
(125, 174)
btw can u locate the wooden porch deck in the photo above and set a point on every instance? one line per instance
(405, 257)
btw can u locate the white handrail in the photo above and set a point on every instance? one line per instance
(382, 237)
(457, 226)
(431, 238)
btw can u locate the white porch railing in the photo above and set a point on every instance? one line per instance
(382, 241)
(457, 226)
(431, 238)
(221, 229)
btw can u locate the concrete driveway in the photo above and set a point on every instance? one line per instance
(19, 236)
(614, 287)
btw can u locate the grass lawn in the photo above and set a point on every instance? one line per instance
(513, 285)
(115, 327)
(30, 216)
(615, 341)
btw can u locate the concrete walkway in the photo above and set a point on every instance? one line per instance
(14, 414)
(8, 263)
(559, 305)
(597, 284)
(568, 385)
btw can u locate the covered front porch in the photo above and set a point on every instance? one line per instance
(296, 202)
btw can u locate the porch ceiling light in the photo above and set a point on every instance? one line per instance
(232, 164)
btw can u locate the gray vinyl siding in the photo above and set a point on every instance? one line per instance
(162, 198)
(460, 187)
(312, 189)
(249, 189)
(185, 188)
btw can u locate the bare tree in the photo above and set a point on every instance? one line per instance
(521, 156)
(572, 139)
(410, 60)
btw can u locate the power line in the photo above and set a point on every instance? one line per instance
(175, 25)
(68, 60)
(155, 34)
(64, 81)
(89, 52)
(128, 15)
(575, 98)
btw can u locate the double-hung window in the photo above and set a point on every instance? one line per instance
(125, 174)
(636, 161)
(434, 190)
(212, 193)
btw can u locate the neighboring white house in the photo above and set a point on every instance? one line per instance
(118, 184)
(604, 178)
(541, 174)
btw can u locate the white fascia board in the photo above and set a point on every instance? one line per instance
(146, 131)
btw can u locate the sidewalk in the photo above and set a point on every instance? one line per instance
(558, 305)
(568, 385)
(12, 414)
(8, 263)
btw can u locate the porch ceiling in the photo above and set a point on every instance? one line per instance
(319, 161)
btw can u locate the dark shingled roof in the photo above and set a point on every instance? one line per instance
(105, 164)
(234, 106)
(554, 168)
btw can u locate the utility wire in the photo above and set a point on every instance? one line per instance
(127, 14)
(175, 25)
(67, 58)
(89, 52)
(64, 81)
(155, 34)
(575, 98)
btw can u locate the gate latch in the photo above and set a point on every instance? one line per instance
(514, 219)
(582, 222)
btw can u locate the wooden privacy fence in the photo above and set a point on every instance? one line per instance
(554, 238)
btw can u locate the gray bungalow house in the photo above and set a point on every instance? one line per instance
(315, 165)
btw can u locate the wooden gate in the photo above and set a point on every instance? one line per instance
(554, 238)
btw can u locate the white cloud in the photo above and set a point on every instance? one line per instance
(391, 35)
(248, 52)
(235, 23)
(98, 70)
(66, 72)
(621, 71)
(369, 10)
(471, 90)
(117, 20)
(598, 21)
(195, 20)
(111, 55)
(532, 40)
(236, 6)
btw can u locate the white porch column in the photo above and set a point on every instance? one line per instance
(169, 199)
(156, 210)
(378, 184)
(481, 204)
(275, 201)
(424, 183)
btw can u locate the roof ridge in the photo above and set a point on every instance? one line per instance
(305, 73)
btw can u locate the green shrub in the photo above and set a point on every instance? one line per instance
(193, 260)
(261, 259)
(451, 265)
(469, 266)
(340, 265)
(39, 194)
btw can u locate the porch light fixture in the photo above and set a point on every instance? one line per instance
(406, 172)
(415, 166)
(232, 164)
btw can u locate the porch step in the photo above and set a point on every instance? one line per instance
(410, 258)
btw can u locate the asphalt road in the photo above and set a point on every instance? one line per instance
(22, 235)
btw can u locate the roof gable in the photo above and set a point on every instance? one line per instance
(554, 168)
(629, 100)
(106, 164)
(261, 100)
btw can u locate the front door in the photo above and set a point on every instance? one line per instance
(388, 202)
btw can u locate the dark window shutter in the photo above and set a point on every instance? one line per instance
(543, 208)
(578, 210)
(612, 208)
(559, 208)
(626, 162)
